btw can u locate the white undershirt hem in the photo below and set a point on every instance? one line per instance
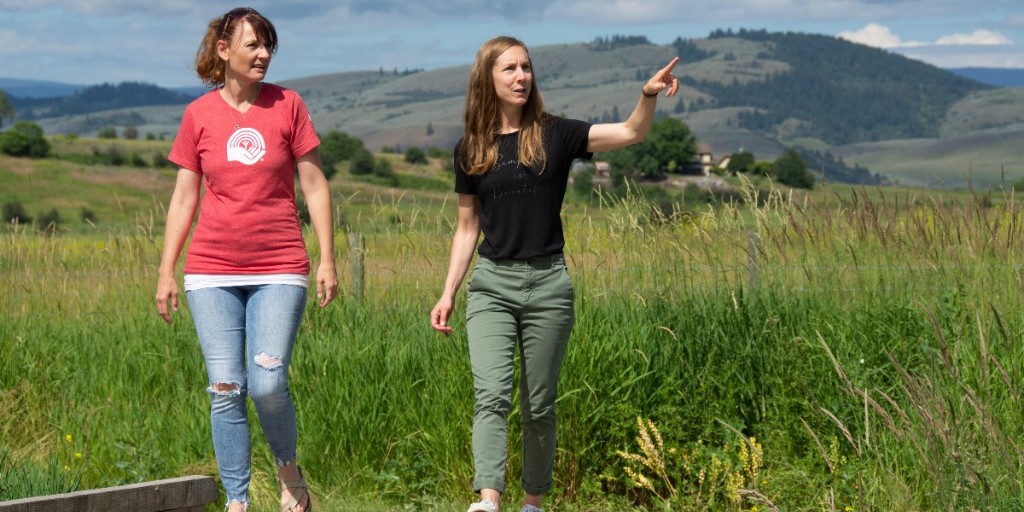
(200, 281)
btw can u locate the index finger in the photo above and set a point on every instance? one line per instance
(668, 68)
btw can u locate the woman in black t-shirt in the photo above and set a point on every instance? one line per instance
(511, 170)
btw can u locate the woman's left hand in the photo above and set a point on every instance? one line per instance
(663, 80)
(326, 283)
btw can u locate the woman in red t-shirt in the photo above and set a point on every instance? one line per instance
(247, 270)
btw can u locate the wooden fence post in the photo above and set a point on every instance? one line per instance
(753, 250)
(357, 253)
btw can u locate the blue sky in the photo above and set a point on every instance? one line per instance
(97, 41)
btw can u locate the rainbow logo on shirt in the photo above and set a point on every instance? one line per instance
(246, 145)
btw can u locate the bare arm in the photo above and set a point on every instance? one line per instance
(611, 136)
(318, 201)
(467, 233)
(180, 213)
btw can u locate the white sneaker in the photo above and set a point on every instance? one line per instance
(531, 508)
(483, 506)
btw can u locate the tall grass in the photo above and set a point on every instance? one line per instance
(870, 345)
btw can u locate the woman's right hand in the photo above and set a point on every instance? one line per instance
(440, 315)
(180, 212)
(166, 297)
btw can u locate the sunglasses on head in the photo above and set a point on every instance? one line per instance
(233, 14)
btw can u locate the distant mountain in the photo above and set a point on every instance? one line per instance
(19, 88)
(192, 92)
(98, 98)
(999, 77)
(789, 87)
(749, 90)
(836, 91)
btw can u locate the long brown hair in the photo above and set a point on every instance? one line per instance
(479, 148)
(209, 65)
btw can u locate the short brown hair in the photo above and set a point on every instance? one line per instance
(209, 65)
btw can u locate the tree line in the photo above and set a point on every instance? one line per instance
(844, 92)
(98, 98)
(603, 44)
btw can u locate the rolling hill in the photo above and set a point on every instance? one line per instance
(20, 88)
(753, 90)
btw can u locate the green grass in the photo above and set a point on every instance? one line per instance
(868, 341)
(121, 198)
(986, 110)
(986, 160)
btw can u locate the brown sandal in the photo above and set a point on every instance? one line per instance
(299, 489)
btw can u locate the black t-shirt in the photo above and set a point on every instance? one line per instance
(519, 206)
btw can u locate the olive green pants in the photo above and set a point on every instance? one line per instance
(524, 307)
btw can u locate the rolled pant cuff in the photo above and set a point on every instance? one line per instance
(538, 490)
(488, 483)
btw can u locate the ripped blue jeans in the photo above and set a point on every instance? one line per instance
(247, 334)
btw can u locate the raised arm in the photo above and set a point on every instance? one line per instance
(467, 234)
(318, 200)
(611, 136)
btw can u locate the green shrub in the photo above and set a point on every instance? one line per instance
(361, 163)
(791, 169)
(49, 222)
(436, 152)
(336, 147)
(583, 183)
(1019, 185)
(113, 155)
(88, 216)
(14, 213)
(138, 161)
(415, 155)
(24, 139)
(107, 133)
(160, 161)
(382, 169)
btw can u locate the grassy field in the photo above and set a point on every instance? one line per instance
(982, 160)
(978, 145)
(847, 349)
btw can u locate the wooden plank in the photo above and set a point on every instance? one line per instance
(174, 494)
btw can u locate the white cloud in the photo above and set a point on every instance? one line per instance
(976, 38)
(878, 36)
(967, 56)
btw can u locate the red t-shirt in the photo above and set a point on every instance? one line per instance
(248, 222)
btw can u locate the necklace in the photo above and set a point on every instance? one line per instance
(237, 110)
